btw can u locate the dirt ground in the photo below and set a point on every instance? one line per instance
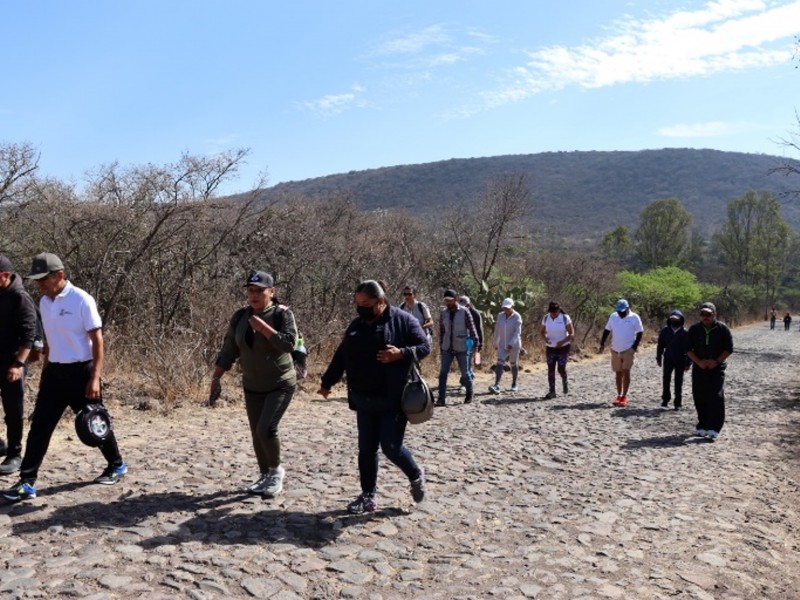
(527, 498)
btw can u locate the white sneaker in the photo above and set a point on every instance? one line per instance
(495, 389)
(700, 432)
(514, 388)
(274, 482)
(711, 435)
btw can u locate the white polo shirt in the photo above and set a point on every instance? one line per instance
(67, 319)
(556, 329)
(623, 330)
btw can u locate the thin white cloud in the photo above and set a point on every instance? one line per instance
(415, 42)
(333, 104)
(431, 47)
(703, 130)
(725, 35)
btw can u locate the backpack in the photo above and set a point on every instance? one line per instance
(299, 354)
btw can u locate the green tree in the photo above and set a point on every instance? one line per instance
(664, 236)
(755, 243)
(617, 244)
(659, 291)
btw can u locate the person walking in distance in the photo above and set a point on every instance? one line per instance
(508, 343)
(625, 328)
(73, 363)
(773, 316)
(455, 328)
(558, 332)
(709, 344)
(787, 321)
(671, 356)
(18, 327)
(474, 346)
(417, 308)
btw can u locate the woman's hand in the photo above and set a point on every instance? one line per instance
(260, 325)
(389, 354)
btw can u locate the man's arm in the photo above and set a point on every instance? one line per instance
(93, 387)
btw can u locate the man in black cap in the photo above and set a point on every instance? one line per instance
(709, 344)
(17, 335)
(71, 373)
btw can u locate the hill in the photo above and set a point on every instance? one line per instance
(578, 195)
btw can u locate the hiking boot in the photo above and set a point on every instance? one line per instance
(257, 487)
(494, 389)
(550, 395)
(10, 465)
(24, 490)
(565, 387)
(273, 484)
(112, 474)
(418, 487)
(363, 504)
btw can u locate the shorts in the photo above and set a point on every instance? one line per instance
(504, 354)
(622, 361)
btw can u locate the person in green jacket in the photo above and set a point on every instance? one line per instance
(262, 336)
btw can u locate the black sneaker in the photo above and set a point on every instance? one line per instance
(565, 387)
(10, 465)
(664, 403)
(363, 504)
(468, 399)
(418, 486)
(440, 402)
(24, 490)
(550, 395)
(112, 474)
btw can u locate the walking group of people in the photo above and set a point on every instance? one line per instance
(787, 319)
(704, 347)
(375, 354)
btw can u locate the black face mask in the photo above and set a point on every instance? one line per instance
(366, 312)
(622, 313)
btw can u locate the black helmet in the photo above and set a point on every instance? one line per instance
(93, 425)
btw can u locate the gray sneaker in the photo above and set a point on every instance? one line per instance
(10, 465)
(495, 389)
(257, 487)
(274, 482)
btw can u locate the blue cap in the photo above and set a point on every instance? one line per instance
(622, 305)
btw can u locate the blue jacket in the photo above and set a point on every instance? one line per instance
(672, 344)
(374, 386)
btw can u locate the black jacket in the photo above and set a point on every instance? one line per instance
(672, 344)
(17, 320)
(371, 385)
(711, 343)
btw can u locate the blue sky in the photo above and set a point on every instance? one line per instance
(315, 88)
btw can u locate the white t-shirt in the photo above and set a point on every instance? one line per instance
(556, 329)
(623, 330)
(67, 319)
